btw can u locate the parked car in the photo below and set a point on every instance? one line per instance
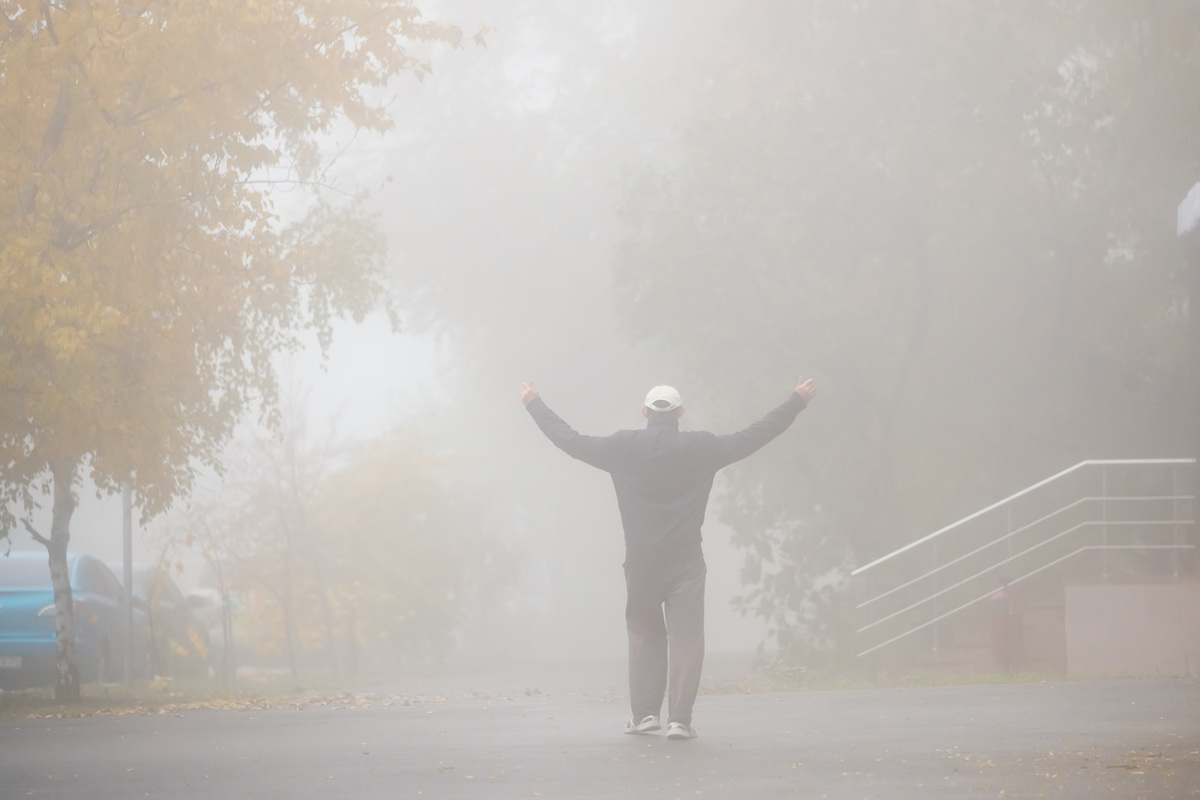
(27, 638)
(210, 613)
(178, 643)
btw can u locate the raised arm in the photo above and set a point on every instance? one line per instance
(594, 450)
(736, 446)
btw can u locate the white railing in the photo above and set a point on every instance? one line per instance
(960, 565)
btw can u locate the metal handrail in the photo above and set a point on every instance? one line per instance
(1043, 540)
(1027, 575)
(1014, 557)
(1023, 492)
(1022, 529)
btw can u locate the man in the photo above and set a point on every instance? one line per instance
(663, 477)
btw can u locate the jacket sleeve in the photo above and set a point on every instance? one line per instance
(599, 451)
(735, 446)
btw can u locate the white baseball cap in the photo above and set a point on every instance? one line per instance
(663, 398)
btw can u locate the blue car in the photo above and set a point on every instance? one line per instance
(27, 638)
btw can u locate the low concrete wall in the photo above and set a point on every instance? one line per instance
(1133, 630)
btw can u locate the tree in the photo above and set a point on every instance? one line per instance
(205, 525)
(267, 532)
(410, 550)
(148, 277)
(339, 552)
(953, 216)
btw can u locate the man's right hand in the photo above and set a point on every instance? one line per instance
(806, 388)
(528, 393)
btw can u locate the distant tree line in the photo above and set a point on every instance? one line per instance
(961, 219)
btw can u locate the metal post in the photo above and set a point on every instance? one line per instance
(127, 547)
(1104, 522)
(1175, 521)
(1194, 314)
(936, 609)
(1008, 531)
(228, 664)
(1186, 217)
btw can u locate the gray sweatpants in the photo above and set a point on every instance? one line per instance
(664, 615)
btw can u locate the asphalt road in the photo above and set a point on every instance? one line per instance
(1123, 739)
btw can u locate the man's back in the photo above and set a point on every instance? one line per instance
(663, 476)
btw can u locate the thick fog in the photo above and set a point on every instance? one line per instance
(504, 258)
(958, 219)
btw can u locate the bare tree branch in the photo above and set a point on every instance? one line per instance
(42, 540)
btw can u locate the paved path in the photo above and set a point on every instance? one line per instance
(1125, 739)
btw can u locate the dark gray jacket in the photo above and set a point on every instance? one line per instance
(663, 475)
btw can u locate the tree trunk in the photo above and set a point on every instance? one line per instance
(66, 684)
(289, 620)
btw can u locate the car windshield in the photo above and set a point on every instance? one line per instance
(24, 573)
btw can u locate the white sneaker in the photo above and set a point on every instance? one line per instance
(648, 724)
(677, 731)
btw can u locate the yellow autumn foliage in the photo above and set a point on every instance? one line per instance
(396, 554)
(146, 276)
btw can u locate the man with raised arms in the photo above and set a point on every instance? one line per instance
(663, 477)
